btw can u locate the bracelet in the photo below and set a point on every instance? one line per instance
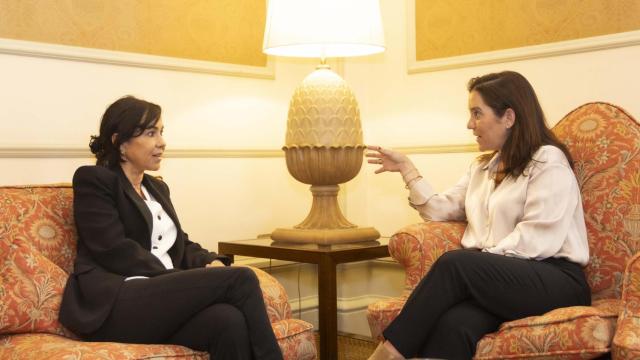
(404, 177)
(410, 182)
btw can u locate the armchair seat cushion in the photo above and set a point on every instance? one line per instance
(48, 346)
(571, 332)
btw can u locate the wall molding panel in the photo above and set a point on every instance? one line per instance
(49, 152)
(62, 152)
(74, 53)
(438, 149)
(595, 43)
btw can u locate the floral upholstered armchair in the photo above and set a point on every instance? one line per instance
(605, 143)
(37, 250)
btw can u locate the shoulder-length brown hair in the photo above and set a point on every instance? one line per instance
(510, 90)
(128, 117)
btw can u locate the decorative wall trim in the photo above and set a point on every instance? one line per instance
(75, 53)
(224, 153)
(53, 152)
(630, 38)
(49, 152)
(438, 149)
(36, 152)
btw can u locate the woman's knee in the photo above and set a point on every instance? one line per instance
(247, 277)
(227, 322)
(453, 258)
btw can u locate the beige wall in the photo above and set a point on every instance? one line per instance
(57, 104)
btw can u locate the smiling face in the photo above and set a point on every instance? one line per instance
(490, 130)
(144, 152)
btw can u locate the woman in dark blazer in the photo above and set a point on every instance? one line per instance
(138, 278)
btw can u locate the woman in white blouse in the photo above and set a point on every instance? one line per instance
(138, 278)
(525, 243)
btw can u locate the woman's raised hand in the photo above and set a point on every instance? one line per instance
(389, 160)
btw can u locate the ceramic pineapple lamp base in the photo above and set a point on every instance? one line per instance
(325, 223)
(325, 236)
(324, 148)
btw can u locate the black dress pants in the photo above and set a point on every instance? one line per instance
(219, 310)
(468, 293)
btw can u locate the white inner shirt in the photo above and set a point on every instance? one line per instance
(164, 232)
(534, 216)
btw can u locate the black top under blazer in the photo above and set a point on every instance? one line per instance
(114, 240)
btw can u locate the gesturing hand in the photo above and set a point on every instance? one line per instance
(389, 160)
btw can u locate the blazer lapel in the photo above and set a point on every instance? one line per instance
(136, 199)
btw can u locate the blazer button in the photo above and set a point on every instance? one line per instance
(155, 248)
(159, 218)
(159, 237)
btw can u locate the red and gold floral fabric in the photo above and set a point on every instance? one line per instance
(37, 249)
(49, 347)
(418, 246)
(578, 332)
(296, 339)
(31, 289)
(276, 300)
(626, 343)
(605, 143)
(43, 217)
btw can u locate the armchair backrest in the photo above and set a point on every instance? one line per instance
(42, 216)
(605, 144)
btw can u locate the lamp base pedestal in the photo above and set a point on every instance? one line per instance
(325, 236)
(325, 223)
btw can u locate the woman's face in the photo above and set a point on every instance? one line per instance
(144, 152)
(490, 130)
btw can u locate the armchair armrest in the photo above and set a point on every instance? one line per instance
(416, 247)
(626, 344)
(275, 297)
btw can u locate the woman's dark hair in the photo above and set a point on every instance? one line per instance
(128, 117)
(510, 90)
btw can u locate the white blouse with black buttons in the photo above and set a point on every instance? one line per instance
(164, 232)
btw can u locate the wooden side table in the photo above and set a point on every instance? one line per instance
(327, 257)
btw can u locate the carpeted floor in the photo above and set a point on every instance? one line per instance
(352, 347)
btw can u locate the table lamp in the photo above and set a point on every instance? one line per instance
(324, 146)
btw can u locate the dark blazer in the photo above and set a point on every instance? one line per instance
(114, 239)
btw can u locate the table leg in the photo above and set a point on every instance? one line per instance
(327, 309)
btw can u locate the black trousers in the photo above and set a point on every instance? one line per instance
(219, 310)
(468, 293)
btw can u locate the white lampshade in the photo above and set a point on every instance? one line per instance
(323, 28)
